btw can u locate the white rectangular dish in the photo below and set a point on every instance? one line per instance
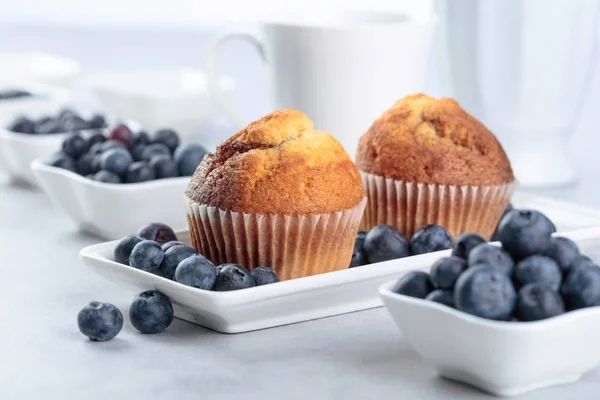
(301, 299)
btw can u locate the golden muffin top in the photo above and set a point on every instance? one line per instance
(426, 140)
(278, 164)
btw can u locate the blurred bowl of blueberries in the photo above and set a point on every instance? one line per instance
(109, 183)
(35, 135)
(18, 99)
(506, 317)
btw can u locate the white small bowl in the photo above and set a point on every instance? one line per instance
(112, 211)
(44, 68)
(503, 358)
(47, 100)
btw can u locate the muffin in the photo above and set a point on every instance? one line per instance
(427, 161)
(279, 194)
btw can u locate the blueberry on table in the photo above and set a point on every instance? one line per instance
(414, 284)
(116, 160)
(196, 271)
(155, 150)
(140, 171)
(385, 242)
(74, 145)
(466, 242)
(124, 248)
(538, 269)
(188, 157)
(95, 138)
(22, 125)
(151, 312)
(524, 233)
(493, 256)
(147, 255)
(564, 251)
(581, 288)
(100, 321)
(173, 256)
(536, 302)
(121, 133)
(107, 177)
(233, 277)
(168, 137)
(86, 165)
(446, 270)
(164, 167)
(97, 121)
(264, 276)
(485, 292)
(158, 232)
(166, 246)
(445, 297)
(430, 238)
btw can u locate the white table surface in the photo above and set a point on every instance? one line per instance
(43, 286)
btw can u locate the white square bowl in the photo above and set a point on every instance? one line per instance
(502, 358)
(35, 66)
(113, 211)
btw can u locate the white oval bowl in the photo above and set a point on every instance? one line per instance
(112, 211)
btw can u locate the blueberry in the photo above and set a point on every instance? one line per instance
(11, 94)
(140, 172)
(233, 277)
(508, 208)
(583, 261)
(147, 255)
(62, 160)
(141, 138)
(97, 121)
(74, 145)
(564, 251)
(445, 272)
(155, 150)
(151, 312)
(164, 167)
(85, 165)
(358, 253)
(166, 246)
(110, 144)
(168, 137)
(538, 269)
(116, 161)
(196, 271)
(75, 124)
(536, 301)
(188, 157)
(414, 284)
(581, 288)
(466, 242)
(22, 125)
(264, 276)
(95, 138)
(485, 292)
(124, 248)
(524, 233)
(137, 152)
(158, 232)
(493, 256)
(173, 256)
(384, 242)
(66, 113)
(100, 321)
(48, 126)
(107, 177)
(122, 133)
(430, 238)
(445, 297)
(360, 239)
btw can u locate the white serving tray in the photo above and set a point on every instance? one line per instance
(301, 299)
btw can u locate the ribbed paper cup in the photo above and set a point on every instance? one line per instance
(294, 245)
(408, 206)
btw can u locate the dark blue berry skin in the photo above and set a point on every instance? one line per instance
(173, 256)
(188, 157)
(164, 167)
(536, 302)
(151, 312)
(485, 292)
(158, 232)
(22, 125)
(168, 137)
(264, 276)
(358, 254)
(155, 150)
(111, 144)
(524, 233)
(538, 269)
(414, 284)
(166, 246)
(564, 251)
(47, 126)
(75, 124)
(74, 145)
(141, 138)
(430, 238)
(445, 297)
(137, 152)
(445, 272)
(233, 277)
(85, 165)
(493, 256)
(124, 248)
(385, 242)
(508, 208)
(97, 121)
(360, 238)
(466, 242)
(94, 139)
(147, 255)
(100, 321)
(581, 288)
(64, 161)
(139, 172)
(196, 271)
(116, 161)
(107, 177)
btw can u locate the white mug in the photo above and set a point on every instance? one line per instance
(342, 69)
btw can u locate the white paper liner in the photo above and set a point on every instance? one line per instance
(459, 209)
(294, 245)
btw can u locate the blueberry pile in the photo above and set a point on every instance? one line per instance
(532, 276)
(126, 157)
(67, 120)
(11, 94)
(385, 242)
